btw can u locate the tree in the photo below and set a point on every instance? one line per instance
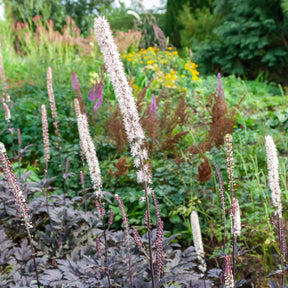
(173, 8)
(253, 37)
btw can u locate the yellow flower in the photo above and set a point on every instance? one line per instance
(182, 76)
(141, 62)
(94, 77)
(170, 48)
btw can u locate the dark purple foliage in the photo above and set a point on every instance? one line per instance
(68, 256)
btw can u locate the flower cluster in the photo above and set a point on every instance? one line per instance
(272, 161)
(100, 209)
(137, 239)
(110, 218)
(45, 133)
(96, 93)
(124, 215)
(228, 276)
(229, 154)
(89, 150)
(159, 248)
(197, 239)
(14, 188)
(161, 65)
(123, 92)
(6, 111)
(236, 219)
(52, 99)
(98, 244)
(75, 82)
(219, 89)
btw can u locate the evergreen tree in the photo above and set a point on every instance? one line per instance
(173, 8)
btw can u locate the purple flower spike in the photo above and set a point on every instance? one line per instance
(97, 93)
(98, 104)
(153, 107)
(219, 89)
(75, 83)
(92, 94)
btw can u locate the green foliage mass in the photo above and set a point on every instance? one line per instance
(263, 112)
(250, 36)
(173, 25)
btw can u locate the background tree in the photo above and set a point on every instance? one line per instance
(250, 37)
(173, 25)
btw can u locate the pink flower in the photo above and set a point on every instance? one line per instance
(96, 93)
(219, 89)
(228, 276)
(92, 94)
(235, 214)
(75, 83)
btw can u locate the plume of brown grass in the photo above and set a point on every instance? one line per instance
(156, 128)
(125, 40)
(116, 129)
(222, 122)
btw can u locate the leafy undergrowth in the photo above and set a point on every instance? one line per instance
(67, 251)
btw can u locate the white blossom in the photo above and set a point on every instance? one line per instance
(236, 218)
(45, 133)
(90, 154)
(197, 239)
(123, 92)
(6, 111)
(272, 161)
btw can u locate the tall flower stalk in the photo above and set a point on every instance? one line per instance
(45, 134)
(197, 239)
(235, 212)
(19, 201)
(55, 123)
(228, 276)
(130, 116)
(88, 148)
(126, 226)
(273, 167)
(222, 199)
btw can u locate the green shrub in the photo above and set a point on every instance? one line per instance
(252, 38)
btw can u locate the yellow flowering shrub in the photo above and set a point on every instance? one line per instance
(167, 68)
